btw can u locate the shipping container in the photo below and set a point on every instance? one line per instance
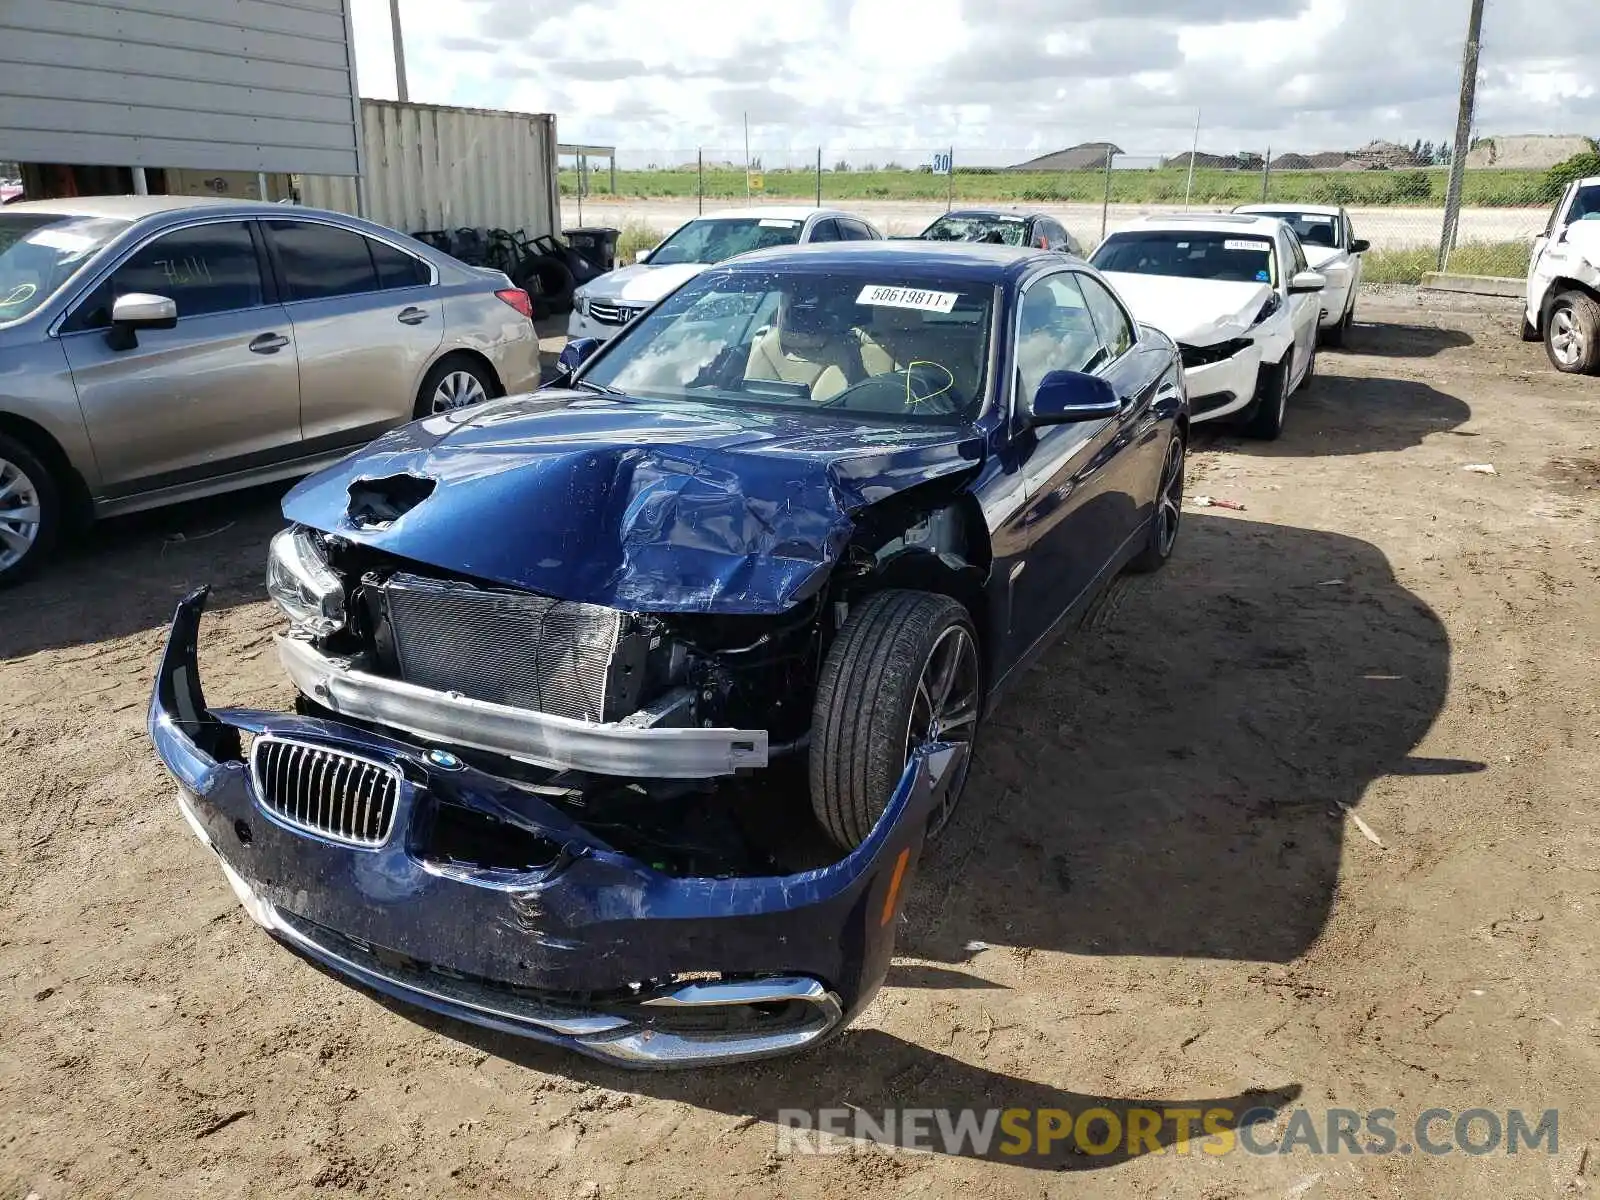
(433, 167)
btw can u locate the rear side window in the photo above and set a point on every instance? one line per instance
(320, 262)
(825, 230)
(203, 269)
(396, 268)
(855, 231)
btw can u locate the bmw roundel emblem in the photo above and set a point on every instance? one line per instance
(444, 760)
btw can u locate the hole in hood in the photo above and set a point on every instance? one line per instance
(377, 503)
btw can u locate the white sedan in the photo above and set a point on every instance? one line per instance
(1237, 295)
(601, 307)
(1333, 249)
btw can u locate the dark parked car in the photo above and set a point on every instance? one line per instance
(1003, 227)
(563, 658)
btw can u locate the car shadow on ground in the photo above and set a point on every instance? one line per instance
(126, 575)
(1390, 340)
(1350, 414)
(1169, 781)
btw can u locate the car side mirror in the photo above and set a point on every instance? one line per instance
(574, 354)
(1307, 282)
(1360, 246)
(1066, 397)
(136, 311)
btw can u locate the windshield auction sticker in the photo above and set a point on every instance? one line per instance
(1242, 244)
(904, 297)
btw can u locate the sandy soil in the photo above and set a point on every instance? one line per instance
(1154, 849)
(1387, 228)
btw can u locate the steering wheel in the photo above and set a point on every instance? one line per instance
(922, 388)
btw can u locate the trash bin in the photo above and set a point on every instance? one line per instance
(598, 244)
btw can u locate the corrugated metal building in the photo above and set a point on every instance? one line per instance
(433, 167)
(214, 85)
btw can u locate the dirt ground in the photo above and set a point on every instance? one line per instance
(1158, 854)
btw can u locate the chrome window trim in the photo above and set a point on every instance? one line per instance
(110, 267)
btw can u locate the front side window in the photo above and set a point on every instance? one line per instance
(714, 239)
(203, 269)
(1055, 332)
(1000, 229)
(1186, 254)
(905, 346)
(1586, 204)
(1314, 229)
(40, 251)
(1110, 321)
(320, 262)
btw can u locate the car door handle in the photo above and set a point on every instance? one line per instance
(268, 343)
(412, 316)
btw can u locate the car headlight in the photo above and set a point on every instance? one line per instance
(1273, 304)
(302, 583)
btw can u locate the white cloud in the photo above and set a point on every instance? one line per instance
(1000, 79)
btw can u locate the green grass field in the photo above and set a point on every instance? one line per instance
(1482, 189)
(1508, 260)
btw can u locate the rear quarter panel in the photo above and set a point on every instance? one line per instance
(476, 319)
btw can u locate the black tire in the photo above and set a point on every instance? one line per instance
(1573, 315)
(451, 365)
(1265, 422)
(1168, 516)
(1311, 368)
(548, 282)
(26, 486)
(1338, 337)
(867, 697)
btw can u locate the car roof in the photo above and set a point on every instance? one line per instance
(133, 208)
(780, 212)
(1024, 214)
(966, 261)
(1205, 223)
(1318, 210)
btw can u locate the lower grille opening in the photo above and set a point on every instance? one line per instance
(465, 837)
(341, 796)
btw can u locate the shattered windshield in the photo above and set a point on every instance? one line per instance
(41, 251)
(997, 229)
(716, 239)
(1190, 255)
(884, 342)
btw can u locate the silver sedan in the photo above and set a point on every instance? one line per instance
(161, 348)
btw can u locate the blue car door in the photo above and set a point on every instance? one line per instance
(1084, 499)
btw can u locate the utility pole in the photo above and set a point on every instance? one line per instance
(1458, 160)
(1105, 204)
(1194, 153)
(747, 156)
(402, 93)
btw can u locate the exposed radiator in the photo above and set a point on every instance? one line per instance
(507, 647)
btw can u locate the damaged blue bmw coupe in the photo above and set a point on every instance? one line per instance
(625, 708)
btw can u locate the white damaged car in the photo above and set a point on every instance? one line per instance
(1564, 282)
(601, 307)
(1332, 249)
(1237, 295)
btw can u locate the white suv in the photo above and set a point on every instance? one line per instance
(1564, 282)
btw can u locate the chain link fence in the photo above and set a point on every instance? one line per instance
(1395, 201)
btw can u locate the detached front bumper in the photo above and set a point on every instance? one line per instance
(1221, 389)
(593, 950)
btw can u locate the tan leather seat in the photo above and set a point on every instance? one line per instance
(900, 337)
(823, 370)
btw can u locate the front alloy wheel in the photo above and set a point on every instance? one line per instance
(903, 673)
(1572, 334)
(20, 515)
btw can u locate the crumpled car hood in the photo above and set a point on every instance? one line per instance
(1197, 312)
(650, 508)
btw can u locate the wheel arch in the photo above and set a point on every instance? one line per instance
(74, 488)
(466, 354)
(1561, 285)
